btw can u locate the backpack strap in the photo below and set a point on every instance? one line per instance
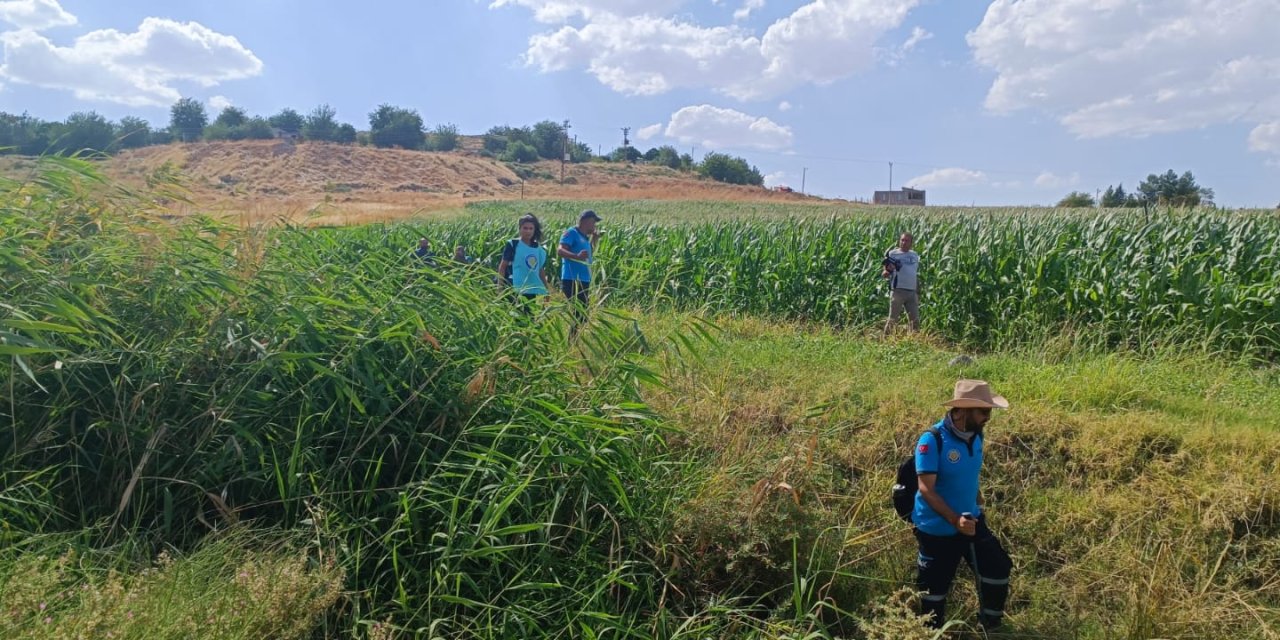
(937, 437)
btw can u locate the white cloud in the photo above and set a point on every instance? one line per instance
(1048, 180)
(777, 178)
(136, 69)
(918, 35)
(556, 11)
(648, 54)
(949, 177)
(650, 131)
(748, 6)
(1265, 137)
(35, 15)
(718, 128)
(1109, 67)
(784, 106)
(218, 103)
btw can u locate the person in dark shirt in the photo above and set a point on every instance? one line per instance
(460, 255)
(424, 254)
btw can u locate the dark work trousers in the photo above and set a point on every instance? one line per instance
(936, 565)
(579, 295)
(524, 302)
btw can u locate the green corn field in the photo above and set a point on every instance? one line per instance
(1127, 278)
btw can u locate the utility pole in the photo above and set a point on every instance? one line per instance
(626, 142)
(564, 149)
(804, 173)
(891, 178)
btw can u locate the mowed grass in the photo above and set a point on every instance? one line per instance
(1131, 491)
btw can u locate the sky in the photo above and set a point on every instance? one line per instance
(1011, 102)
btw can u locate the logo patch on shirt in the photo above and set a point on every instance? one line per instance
(953, 455)
(924, 448)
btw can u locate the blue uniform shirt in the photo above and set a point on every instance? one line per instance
(574, 241)
(526, 265)
(957, 482)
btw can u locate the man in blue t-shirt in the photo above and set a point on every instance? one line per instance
(948, 517)
(577, 248)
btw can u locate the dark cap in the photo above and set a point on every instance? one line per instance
(588, 214)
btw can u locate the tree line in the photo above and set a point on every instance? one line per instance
(389, 127)
(1165, 189)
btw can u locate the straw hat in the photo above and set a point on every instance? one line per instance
(975, 394)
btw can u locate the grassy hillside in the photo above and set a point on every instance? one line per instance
(265, 181)
(1128, 490)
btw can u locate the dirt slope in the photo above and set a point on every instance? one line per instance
(273, 178)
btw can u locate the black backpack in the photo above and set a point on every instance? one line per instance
(904, 490)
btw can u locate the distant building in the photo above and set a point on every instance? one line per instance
(908, 196)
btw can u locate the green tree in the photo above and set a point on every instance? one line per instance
(625, 154)
(733, 170)
(1076, 200)
(321, 124)
(232, 116)
(579, 152)
(160, 136)
(519, 152)
(256, 128)
(391, 126)
(132, 132)
(288, 121)
(548, 138)
(444, 138)
(668, 156)
(85, 130)
(1114, 197)
(187, 119)
(651, 154)
(345, 134)
(1174, 190)
(24, 134)
(497, 138)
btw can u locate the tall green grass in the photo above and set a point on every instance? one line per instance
(470, 472)
(1205, 279)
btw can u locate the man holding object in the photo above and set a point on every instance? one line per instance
(948, 516)
(900, 267)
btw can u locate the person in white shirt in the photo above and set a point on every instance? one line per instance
(901, 265)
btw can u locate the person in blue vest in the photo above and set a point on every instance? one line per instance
(523, 262)
(577, 248)
(949, 521)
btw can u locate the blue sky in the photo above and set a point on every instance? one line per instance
(1004, 102)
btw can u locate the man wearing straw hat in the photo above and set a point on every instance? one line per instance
(948, 517)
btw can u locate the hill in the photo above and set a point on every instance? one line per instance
(268, 179)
